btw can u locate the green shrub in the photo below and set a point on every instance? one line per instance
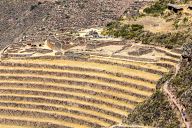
(158, 7)
(185, 20)
(117, 29)
(136, 27)
(135, 31)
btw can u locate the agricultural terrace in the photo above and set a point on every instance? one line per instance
(93, 93)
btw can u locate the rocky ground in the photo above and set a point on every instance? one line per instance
(47, 27)
(36, 19)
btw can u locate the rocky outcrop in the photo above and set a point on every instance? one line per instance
(187, 50)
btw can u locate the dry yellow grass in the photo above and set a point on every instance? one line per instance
(109, 92)
(85, 118)
(122, 79)
(112, 68)
(101, 106)
(90, 73)
(74, 108)
(46, 120)
(12, 126)
(152, 24)
(81, 95)
(168, 62)
(127, 88)
(72, 102)
(124, 61)
(172, 58)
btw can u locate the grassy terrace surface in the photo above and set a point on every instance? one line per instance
(69, 93)
(8, 126)
(72, 109)
(143, 65)
(82, 89)
(71, 73)
(70, 76)
(112, 68)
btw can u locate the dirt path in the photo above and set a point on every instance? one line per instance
(175, 102)
(129, 126)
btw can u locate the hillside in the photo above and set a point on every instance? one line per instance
(25, 18)
(170, 29)
(95, 63)
(182, 87)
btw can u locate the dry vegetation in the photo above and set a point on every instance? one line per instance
(72, 82)
(74, 93)
(181, 86)
(35, 20)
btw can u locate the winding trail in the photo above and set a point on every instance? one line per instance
(174, 101)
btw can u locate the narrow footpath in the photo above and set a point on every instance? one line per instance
(173, 100)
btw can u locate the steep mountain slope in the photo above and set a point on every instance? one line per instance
(182, 88)
(155, 112)
(19, 17)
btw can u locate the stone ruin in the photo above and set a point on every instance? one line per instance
(76, 55)
(174, 7)
(141, 51)
(93, 34)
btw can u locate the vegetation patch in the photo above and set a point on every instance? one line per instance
(155, 112)
(35, 6)
(117, 29)
(164, 79)
(169, 40)
(158, 7)
(136, 32)
(182, 85)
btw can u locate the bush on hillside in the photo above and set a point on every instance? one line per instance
(158, 7)
(126, 31)
(182, 86)
(155, 112)
(136, 32)
(164, 79)
(169, 40)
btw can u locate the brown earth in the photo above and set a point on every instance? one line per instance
(37, 19)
